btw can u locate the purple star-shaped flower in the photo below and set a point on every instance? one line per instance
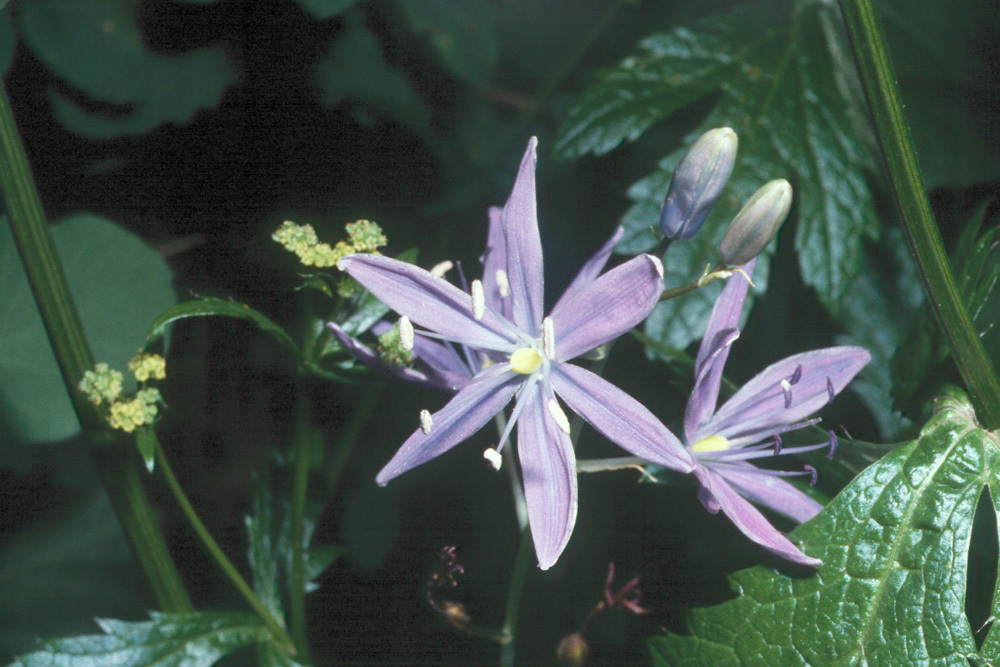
(749, 425)
(525, 357)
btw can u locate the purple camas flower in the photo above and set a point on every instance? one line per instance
(749, 425)
(525, 356)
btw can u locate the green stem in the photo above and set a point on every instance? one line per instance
(300, 487)
(115, 463)
(217, 554)
(922, 233)
(514, 593)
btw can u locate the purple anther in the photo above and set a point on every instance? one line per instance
(777, 445)
(830, 391)
(796, 376)
(833, 445)
(811, 471)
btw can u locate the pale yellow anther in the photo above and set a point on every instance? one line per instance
(426, 422)
(786, 385)
(502, 283)
(405, 333)
(548, 338)
(494, 457)
(525, 361)
(713, 443)
(438, 270)
(559, 416)
(478, 300)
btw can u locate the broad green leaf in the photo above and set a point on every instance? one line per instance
(354, 70)
(8, 38)
(769, 74)
(464, 34)
(167, 640)
(260, 530)
(891, 589)
(97, 48)
(119, 284)
(207, 306)
(325, 9)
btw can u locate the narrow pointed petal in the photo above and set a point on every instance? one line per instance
(712, 354)
(787, 391)
(607, 307)
(494, 258)
(369, 358)
(548, 469)
(524, 247)
(429, 301)
(771, 492)
(592, 268)
(461, 418)
(749, 520)
(619, 417)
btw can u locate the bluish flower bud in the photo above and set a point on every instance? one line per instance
(698, 181)
(756, 223)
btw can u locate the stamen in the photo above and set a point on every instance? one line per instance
(833, 445)
(478, 300)
(525, 361)
(548, 338)
(812, 471)
(786, 387)
(426, 422)
(559, 416)
(438, 270)
(777, 444)
(405, 333)
(494, 457)
(829, 389)
(503, 284)
(713, 443)
(796, 376)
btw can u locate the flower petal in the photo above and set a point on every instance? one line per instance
(463, 416)
(429, 301)
(592, 268)
(748, 518)
(439, 360)
(714, 349)
(607, 307)
(770, 491)
(369, 358)
(494, 258)
(619, 417)
(786, 392)
(524, 247)
(548, 469)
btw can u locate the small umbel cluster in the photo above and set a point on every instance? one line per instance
(103, 386)
(362, 236)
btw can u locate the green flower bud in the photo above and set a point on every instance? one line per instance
(698, 181)
(573, 650)
(756, 223)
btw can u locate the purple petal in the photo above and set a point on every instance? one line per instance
(466, 413)
(607, 307)
(429, 301)
(748, 518)
(548, 468)
(785, 392)
(524, 247)
(592, 268)
(494, 258)
(619, 417)
(770, 491)
(714, 350)
(369, 358)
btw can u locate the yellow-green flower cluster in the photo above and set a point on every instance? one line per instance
(363, 236)
(128, 415)
(391, 349)
(104, 385)
(101, 385)
(145, 365)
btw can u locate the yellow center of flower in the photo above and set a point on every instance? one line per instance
(526, 360)
(713, 443)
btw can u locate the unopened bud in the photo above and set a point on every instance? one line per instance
(573, 650)
(698, 181)
(454, 613)
(756, 223)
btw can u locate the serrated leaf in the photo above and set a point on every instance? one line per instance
(325, 9)
(168, 640)
(776, 83)
(97, 48)
(118, 283)
(262, 557)
(208, 306)
(463, 34)
(891, 588)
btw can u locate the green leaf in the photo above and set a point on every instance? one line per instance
(777, 83)
(262, 557)
(8, 38)
(145, 441)
(119, 284)
(168, 640)
(891, 589)
(464, 35)
(207, 306)
(98, 49)
(325, 9)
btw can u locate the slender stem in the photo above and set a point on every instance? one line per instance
(516, 490)
(922, 233)
(514, 593)
(300, 487)
(217, 554)
(115, 463)
(618, 463)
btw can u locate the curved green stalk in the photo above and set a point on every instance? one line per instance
(921, 230)
(113, 457)
(514, 593)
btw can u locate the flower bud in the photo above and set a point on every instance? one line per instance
(756, 223)
(573, 650)
(698, 181)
